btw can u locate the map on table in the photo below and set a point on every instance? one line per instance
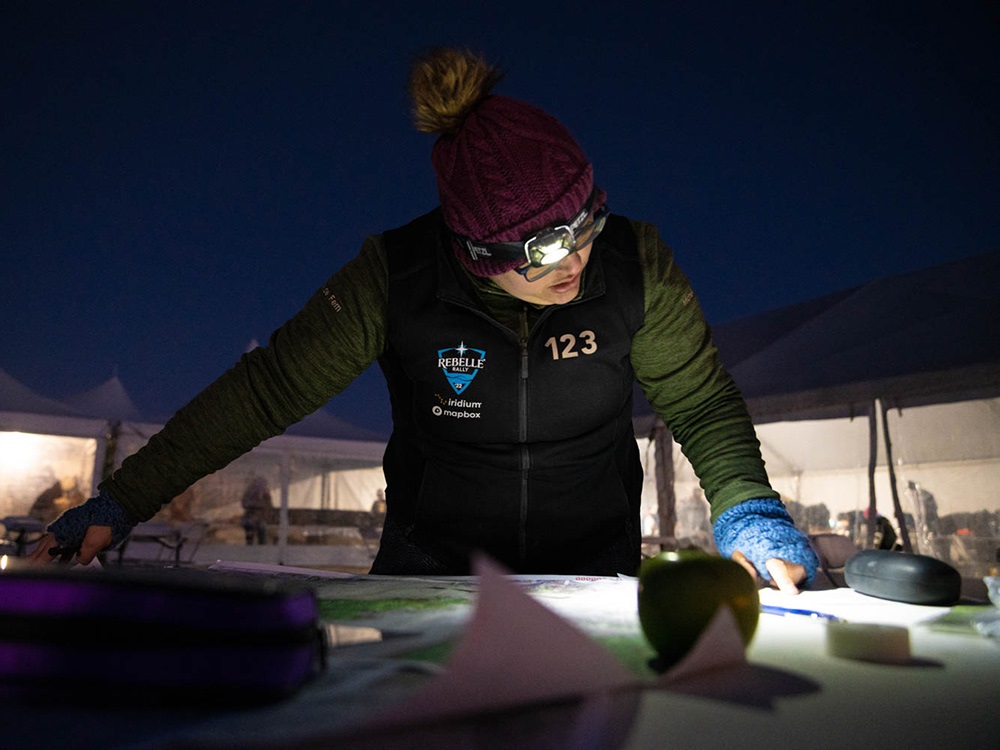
(417, 618)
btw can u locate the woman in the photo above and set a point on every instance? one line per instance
(510, 324)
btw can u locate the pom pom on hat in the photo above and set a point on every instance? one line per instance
(504, 168)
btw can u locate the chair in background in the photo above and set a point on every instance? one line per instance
(151, 541)
(19, 532)
(833, 551)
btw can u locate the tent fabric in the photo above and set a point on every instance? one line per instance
(24, 410)
(322, 463)
(109, 400)
(321, 443)
(19, 398)
(112, 401)
(929, 336)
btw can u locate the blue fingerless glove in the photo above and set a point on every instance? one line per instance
(70, 528)
(762, 529)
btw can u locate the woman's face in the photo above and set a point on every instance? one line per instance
(559, 286)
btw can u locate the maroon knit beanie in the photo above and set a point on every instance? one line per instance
(504, 168)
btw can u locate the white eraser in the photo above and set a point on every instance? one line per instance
(887, 644)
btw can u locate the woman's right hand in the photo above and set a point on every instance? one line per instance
(96, 539)
(86, 530)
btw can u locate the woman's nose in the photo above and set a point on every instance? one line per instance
(572, 262)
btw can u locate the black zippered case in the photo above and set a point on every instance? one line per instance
(150, 636)
(903, 577)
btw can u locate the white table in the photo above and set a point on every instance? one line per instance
(947, 696)
(789, 694)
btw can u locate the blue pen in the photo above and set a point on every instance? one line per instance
(770, 609)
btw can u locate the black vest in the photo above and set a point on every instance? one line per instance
(520, 445)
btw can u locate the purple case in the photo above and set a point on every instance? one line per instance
(154, 635)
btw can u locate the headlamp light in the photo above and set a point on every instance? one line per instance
(549, 246)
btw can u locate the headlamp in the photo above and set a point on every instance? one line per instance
(549, 246)
(546, 247)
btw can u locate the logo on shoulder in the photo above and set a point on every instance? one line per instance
(460, 365)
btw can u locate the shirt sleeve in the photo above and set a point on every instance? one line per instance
(678, 369)
(314, 356)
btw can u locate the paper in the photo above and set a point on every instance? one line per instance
(716, 668)
(849, 605)
(515, 652)
(719, 647)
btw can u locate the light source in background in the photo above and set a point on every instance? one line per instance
(18, 451)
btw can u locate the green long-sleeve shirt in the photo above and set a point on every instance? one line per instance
(341, 331)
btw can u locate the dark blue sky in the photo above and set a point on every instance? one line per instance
(177, 178)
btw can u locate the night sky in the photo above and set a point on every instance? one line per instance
(177, 178)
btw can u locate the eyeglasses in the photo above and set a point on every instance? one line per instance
(546, 248)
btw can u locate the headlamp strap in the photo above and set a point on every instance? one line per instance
(516, 250)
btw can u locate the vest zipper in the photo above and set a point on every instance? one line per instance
(523, 335)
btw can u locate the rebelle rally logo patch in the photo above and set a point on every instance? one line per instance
(459, 365)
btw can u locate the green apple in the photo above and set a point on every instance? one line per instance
(680, 592)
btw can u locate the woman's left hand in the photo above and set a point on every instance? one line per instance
(784, 575)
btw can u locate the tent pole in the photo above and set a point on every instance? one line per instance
(872, 459)
(111, 449)
(666, 501)
(286, 472)
(896, 506)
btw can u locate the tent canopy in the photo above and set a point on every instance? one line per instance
(88, 432)
(930, 336)
(109, 400)
(24, 410)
